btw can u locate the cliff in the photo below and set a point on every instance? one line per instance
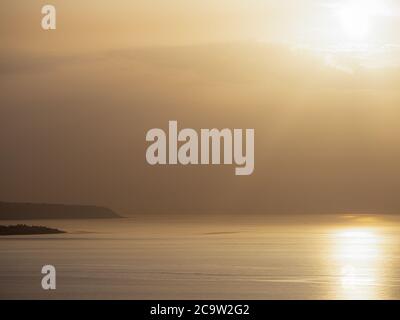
(30, 211)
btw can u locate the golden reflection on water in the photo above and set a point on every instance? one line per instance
(357, 256)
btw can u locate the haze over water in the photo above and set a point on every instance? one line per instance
(175, 258)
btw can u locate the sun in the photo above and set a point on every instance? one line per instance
(356, 16)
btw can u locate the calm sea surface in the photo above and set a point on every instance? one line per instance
(354, 258)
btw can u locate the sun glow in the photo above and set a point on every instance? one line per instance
(356, 16)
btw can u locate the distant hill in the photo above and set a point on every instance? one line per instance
(31, 211)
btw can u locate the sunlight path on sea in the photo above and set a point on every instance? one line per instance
(357, 255)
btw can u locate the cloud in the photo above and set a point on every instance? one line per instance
(326, 140)
(21, 62)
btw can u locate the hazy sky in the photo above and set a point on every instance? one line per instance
(125, 23)
(318, 80)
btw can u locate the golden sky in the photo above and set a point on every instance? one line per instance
(317, 79)
(126, 23)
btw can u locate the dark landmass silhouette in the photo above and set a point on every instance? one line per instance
(31, 211)
(23, 229)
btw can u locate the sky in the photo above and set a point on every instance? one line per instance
(317, 80)
(124, 23)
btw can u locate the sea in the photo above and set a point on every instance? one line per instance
(336, 257)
